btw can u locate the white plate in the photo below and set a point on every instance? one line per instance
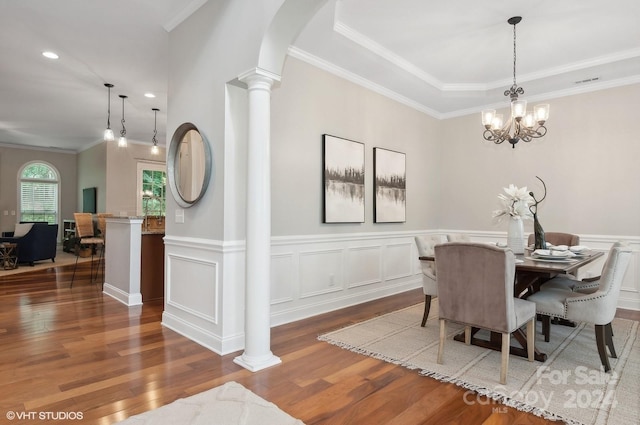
(552, 260)
(553, 257)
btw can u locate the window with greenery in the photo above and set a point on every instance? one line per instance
(154, 183)
(39, 188)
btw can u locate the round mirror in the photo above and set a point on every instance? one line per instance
(188, 165)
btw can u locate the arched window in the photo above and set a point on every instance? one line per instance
(39, 189)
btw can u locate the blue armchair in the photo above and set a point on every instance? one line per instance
(37, 244)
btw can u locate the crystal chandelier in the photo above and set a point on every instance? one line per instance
(526, 125)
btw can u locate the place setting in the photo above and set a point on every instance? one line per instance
(559, 253)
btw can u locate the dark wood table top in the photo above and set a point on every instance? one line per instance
(528, 264)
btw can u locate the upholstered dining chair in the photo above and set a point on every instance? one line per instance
(587, 285)
(598, 308)
(425, 245)
(458, 237)
(475, 289)
(85, 236)
(556, 238)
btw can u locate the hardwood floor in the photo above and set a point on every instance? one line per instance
(82, 353)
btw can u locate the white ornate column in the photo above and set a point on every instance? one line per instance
(257, 352)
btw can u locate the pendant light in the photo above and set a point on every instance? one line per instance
(108, 133)
(155, 150)
(122, 141)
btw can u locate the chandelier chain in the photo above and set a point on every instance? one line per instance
(514, 55)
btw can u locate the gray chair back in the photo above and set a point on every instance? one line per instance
(475, 285)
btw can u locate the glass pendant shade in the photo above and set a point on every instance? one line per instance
(122, 142)
(108, 135)
(496, 124)
(518, 109)
(487, 117)
(155, 150)
(541, 112)
(529, 120)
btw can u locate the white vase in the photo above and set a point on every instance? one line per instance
(515, 235)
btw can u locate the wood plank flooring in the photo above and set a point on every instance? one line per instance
(79, 352)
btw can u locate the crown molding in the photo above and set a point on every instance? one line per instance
(356, 79)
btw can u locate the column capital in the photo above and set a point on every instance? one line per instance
(258, 75)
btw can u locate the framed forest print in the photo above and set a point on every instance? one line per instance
(389, 186)
(343, 180)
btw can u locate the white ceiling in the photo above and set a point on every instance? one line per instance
(444, 58)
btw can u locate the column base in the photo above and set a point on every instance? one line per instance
(255, 364)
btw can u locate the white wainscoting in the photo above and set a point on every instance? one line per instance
(317, 274)
(311, 275)
(203, 295)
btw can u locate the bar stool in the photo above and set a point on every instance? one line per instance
(86, 236)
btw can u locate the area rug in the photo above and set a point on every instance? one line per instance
(62, 259)
(228, 404)
(569, 386)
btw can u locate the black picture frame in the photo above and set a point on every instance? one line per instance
(343, 180)
(389, 186)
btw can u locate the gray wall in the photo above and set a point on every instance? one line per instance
(302, 112)
(11, 161)
(588, 159)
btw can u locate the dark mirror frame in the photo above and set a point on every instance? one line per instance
(174, 148)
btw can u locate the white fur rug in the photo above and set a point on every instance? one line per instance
(228, 404)
(568, 386)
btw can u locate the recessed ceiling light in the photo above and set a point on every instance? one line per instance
(50, 55)
(149, 95)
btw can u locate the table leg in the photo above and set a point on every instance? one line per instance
(495, 343)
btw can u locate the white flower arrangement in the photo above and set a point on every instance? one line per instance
(515, 203)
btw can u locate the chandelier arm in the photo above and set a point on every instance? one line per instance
(490, 136)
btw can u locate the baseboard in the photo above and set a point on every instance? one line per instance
(202, 336)
(119, 295)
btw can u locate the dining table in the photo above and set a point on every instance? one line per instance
(531, 273)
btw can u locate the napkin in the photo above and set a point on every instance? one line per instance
(578, 248)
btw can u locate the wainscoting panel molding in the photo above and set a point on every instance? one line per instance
(204, 292)
(193, 286)
(339, 270)
(365, 265)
